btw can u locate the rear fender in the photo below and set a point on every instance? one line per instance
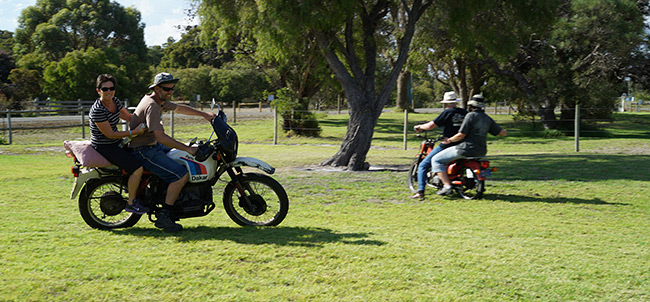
(80, 181)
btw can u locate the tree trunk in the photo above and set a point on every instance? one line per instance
(356, 142)
(403, 84)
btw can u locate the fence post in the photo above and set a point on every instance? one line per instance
(406, 121)
(83, 122)
(577, 128)
(234, 112)
(171, 126)
(275, 126)
(9, 125)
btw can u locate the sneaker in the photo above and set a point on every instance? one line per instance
(164, 222)
(445, 191)
(136, 207)
(418, 195)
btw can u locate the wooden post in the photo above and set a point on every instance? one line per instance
(83, 120)
(406, 122)
(171, 127)
(275, 126)
(577, 128)
(9, 125)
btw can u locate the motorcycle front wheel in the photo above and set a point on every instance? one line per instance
(102, 202)
(255, 199)
(413, 175)
(472, 187)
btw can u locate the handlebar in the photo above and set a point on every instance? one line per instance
(424, 135)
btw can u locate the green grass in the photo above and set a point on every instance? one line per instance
(555, 225)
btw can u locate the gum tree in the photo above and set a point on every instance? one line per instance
(347, 33)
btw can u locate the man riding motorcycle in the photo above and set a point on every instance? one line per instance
(473, 134)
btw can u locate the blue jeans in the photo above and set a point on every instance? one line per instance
(425, 165)
(441, 160)
(155, 160)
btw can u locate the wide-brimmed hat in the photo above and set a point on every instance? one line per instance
(162, 78)
(477, 101)
(450, 97)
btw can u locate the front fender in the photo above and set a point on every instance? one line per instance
(252, 162)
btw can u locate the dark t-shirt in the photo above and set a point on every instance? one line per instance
(450, 120)
(476, 126)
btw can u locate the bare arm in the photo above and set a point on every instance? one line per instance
(105, 128)
(427, 126)
(166, 140)
(184, 109)
(503, 132)
(454, 139)
(125, 115)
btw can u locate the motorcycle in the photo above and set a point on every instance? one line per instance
(249, 199)
(467, 175)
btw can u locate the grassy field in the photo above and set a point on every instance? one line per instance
(555, 225)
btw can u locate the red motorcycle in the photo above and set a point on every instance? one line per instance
(467, 175)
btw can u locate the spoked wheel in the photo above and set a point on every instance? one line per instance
(260, 201)
(101, 204)
(413, 175)
(472, 187)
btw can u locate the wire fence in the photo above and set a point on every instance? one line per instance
(75, 115)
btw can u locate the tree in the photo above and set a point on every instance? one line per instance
(580, 60)
(250, 29)
(448, 40)
(57, 27)
(190, 52)
(73, 41)
(348, 34)
(74, 76)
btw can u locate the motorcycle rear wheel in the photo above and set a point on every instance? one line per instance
(472, 187)
(101, 205)
(269, 200)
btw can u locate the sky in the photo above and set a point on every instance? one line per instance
(159, 16)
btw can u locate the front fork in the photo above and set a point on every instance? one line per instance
(235, 176)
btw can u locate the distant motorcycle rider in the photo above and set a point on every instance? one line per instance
(473, 134)
(449, 120)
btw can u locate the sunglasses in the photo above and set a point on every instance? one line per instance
(104, 89)
(168, 89)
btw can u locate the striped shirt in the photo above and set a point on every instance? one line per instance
(99, 113)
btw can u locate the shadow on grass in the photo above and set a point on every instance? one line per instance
(571, 167)
(521, 198)
(286, 236)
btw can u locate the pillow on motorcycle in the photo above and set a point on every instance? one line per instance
(86, 154)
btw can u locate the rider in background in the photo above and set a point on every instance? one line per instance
(449, 120)
(104, 116)
(473, 134)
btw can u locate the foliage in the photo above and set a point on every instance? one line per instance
(6, 40)
(230, 84)
(74, 76)
(297, 119)
(581, 59)
(55, 28)
(190, 52)
(28, 83)
(238, 84)
(71, 42)
(6, 65)
(259, 33)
